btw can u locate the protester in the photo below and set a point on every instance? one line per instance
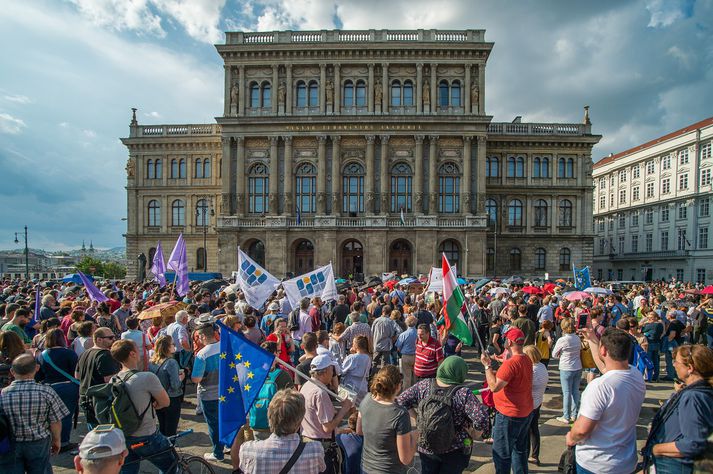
(133, 333)
(384, 332)
(568, 349)
(539, 385)
(429, 354)
(356, 367)
(17, 325)
(205, 374)
(281, 337)
(357, 328)
(166, 368)
(103, 451)
(406, 345)
(526, 323)
(95, 366)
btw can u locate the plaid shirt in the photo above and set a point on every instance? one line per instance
(31, 407)
(356, 329)
(271, 455)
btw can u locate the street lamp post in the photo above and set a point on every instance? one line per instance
(27, 255)
(202, 211)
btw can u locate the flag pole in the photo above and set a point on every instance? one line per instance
(477, 334)
(305, 377)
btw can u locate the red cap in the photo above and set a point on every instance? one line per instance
(516, 335)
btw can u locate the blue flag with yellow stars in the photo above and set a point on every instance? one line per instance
(581, 278)
(243, 369)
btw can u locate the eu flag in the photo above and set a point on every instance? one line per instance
(243, 369)
(581, 278)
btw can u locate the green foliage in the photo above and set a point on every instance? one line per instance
(95, 267)
(114, 271)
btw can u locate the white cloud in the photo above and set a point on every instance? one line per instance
(19, 99)
(153, 115)
(296, 14)
(89, 133)
(666, 12)
(10, 124)
(682, 56)
(199, 17)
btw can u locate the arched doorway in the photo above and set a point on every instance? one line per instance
(304, 256)
(451, 248)
(400, 257)
(256, 251)
(352, 258)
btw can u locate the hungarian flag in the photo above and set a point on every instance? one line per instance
(454, 300)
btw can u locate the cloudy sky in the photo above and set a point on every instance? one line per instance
(71, 70)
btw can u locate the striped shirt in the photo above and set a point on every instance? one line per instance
(31, 408)
(271, 455)
(428, 355)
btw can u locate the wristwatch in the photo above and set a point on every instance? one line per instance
(486, 367)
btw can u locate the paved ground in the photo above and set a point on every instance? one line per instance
(551, 430)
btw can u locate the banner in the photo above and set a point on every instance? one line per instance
(581, 278)
(319, 282)
(435, 279)
(257, 284)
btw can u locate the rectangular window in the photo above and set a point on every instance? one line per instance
(636, 171)
(611, 180)
(683, 157)
(622, 196)
(665, 187)
(635, 194)
(649, 242)
(601, 225)
(704, 207)
(664, 240)
(599, 274)
(649, 216)
(611, 223)
(622, 221)
(679, 274)
(664, 214)
(705, 177)
(649, 190)
(611, 200)
(635, 219)
(634, 244)
(700, 275)
(620, 274)
(703, 237)
(682, 241)
(603, 183)
(601, 246)
(650, 167)
(706, 151)
(683, 182)
(622, 176)
(602, 202)
(666, 162)
(682, 211)
(622, 241)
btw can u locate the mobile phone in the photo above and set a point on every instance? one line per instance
(582, 321)
(104, 428)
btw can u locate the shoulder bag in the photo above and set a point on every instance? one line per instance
(46, 357)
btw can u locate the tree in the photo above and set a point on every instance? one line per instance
(90, 266)
(114, 271)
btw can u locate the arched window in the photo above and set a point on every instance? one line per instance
(348, 95)
(540, 258)
(520, 167)
(451, 248)
(455, 94)
(408, 93)
(306, 188)
(570, 167)
(515, 259)
(492, 167)
(401, 179)
(313, 94)
(178, 213)
(202, 213)
(565, 168)
(256, 251)
(540, 213)
(565, 259)
(182, 169)
(491, 208)
(152, 254)
(200, 258)
(361, 94)
(353, 188)
(258, 185)
(566, 213)
(198, 169)
(266, 95)
(154, 213)
(448, 188)
(150, 170)
(174, 169)
(396, 93)
(158, 169)
(443, 94)
(536, 168)
(301, 95)
(490, 259)
(254, 95)
(206, 168)
(515, 213)
(545, 168)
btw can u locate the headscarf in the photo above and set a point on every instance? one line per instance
(452, 370)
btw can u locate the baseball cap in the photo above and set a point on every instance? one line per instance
(102, 442)
(516, 335)
(321, 362)
(273, 306)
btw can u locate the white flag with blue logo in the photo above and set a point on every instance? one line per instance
(319, 282)
(257, 284)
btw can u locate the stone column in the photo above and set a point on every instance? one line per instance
(480, 180)
(370, 90)
(466, 92)
(369, 181)
(226, 94)
(289, 179)
(434, 89)
(385, 88)
(243, 85)
(384, 173)
(275, 99)
(290, 87)
(322, 173)
(465, 190)
(226, 197)
(419, 88)
(274, 199)
(322, 88)
(432, 175)
(418, 178)
(481, 89)
(336, 177)
(241, 177)
(337, 90)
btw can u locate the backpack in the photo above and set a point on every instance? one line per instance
(293, 320)
(258, 412)
(5, 434)
(435, 419)
(113, 405)
(642, 362)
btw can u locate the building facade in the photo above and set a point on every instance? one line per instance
(368, 149)
(652, 209)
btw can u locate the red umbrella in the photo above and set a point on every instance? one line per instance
(533, 290)
(390, 284)
(708, 290)
(576, 295)
(549, 288)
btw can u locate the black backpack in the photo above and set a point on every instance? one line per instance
(435, 419)
(113, 404)
(293, 320)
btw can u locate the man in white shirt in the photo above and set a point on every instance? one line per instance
(605, 431)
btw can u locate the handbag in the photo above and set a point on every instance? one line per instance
(46, 358)
(586, 357)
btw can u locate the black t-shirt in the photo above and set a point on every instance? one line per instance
(492, 332)
(94, 365)
(304, 368)
(340, 312)
(677, 327)
(424, 317)
(65, 359)
(532, 310)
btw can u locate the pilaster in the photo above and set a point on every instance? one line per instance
(369, 185)
(274, 200)
(321, 175)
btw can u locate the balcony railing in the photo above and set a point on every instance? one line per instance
(175, 130)
(355, 36)
(657, 255)
(285, 222)
(504, 128)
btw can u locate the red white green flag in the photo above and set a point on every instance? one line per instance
(453, 299)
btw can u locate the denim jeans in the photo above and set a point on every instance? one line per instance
(32, 457)
(454, 462)
(581, 470)
(69, 394)
(655, 355)
(570, 392)
(210, 413)
(668, 352)
(666, 465)
(510, 439)
(157, 447)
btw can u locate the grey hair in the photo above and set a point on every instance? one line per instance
(354, 317)
(182, 315)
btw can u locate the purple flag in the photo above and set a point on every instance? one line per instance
(178, 262)
(92, 291)
(159, 266)
(36, 316)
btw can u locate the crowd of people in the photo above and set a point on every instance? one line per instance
(404, 389)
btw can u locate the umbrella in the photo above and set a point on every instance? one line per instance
(533, 290)
(75, 278)
(549, 288)
(576, 295)
(390, 284)
(373, 281)
(708, 290)
(230, 289)
(595, 290)
(499, 291)
(214, 284)
(560, 280)
(481, 283)
(514, 280)
(163, 310)
(462, 281)
(340, 280)
(408, 281)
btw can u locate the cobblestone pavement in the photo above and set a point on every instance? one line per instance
(552, 431)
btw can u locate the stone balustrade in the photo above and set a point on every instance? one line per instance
(506, 128)
(283, 222)
(174, 130)
(355, 36)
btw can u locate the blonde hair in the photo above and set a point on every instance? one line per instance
(533, 353)
(567, 326)
(162, 349)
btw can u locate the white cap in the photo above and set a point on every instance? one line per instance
(102, 444)
(274, 306)
(321, 362)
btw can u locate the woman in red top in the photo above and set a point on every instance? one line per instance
(281, 334)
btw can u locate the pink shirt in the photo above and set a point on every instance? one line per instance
(319, 410)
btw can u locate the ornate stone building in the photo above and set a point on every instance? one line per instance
(370, 149)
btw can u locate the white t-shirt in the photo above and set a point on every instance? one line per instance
(614, 401)
(567, 349)
(539, 383)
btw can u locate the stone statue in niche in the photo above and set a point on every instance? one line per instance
(225, 204)
(234, 94)
(130, 167)
(378, 92)
(426, 92)
(281, 92)
(329, 88)
(384, 203)
(273, 202)
(474, 95)
(321, 199)
(419, 202)
(335, 203)
(466, 203)
(288, 202)
(370, 202)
